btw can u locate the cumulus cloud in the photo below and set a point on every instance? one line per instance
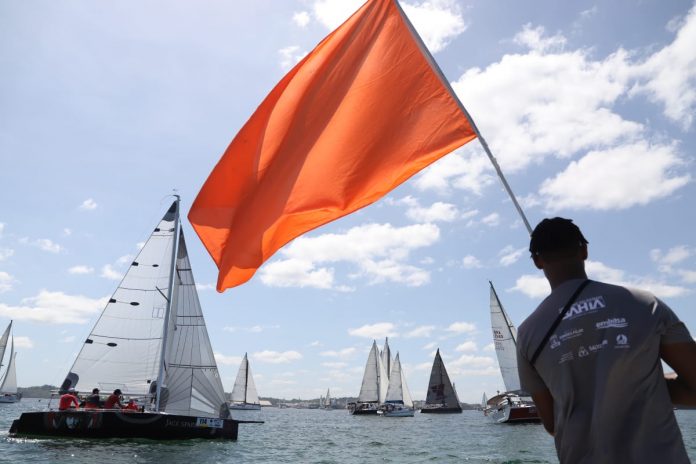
(461, 327)
(108, 272)
(5, 253)
(420, 332)
(276, 357)
(81, 269)
(491, 220)
(437, 212)
(535, 38)
(301, 18)
(345, 353)
(88, 205)
(335, 365)
(468, 364)
(252, 329)
(378, 251)
(616, 178)
(510, 255)
(379, 330)
(7, 282)
(471, 262)
(44, 244)
(227, 360)
(467, 346)
(23, 342)
(532, 285)
(465, 169)
(55, 308)
(290, 56)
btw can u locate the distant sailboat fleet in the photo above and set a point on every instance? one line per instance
(8, 384)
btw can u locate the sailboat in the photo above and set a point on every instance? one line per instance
(398, 402)
(373, 390)
(244, 395)
(326, 404)
(8, 385)
(514, 405)
(385, 354)
(441, 396)
(150, 342)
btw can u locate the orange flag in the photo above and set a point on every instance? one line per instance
(359, 115)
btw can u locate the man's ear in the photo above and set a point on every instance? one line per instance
(584, 252)
(538, 262)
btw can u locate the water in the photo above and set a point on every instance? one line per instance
(314, 436)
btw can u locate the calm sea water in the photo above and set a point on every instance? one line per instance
(314, 436)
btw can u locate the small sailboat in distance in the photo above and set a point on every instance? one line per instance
(398, 402)
(244, 395)
(441, 396)
(326, 404)
(374, 386)
(8, 384)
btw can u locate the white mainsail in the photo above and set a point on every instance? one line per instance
(440, 390)
(192, 379)
(327, 400)
(244, 390)
(9, 382)
(124, 349)
(398, 390)
(3, 341)
(375, 382)
(505, 340)
(386, 357)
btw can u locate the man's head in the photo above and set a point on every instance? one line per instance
(559, 249)
(117, 392)
(95, 391)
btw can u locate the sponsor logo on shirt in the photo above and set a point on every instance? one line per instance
(565, 357)
(614, 322)
(586, 306)
(598, 346)
(582, 352)
(556, 340)
(622, 341)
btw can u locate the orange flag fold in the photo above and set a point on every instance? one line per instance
(359, 115)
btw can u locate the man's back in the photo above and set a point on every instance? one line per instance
(602, 367)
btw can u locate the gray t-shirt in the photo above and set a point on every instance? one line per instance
(602, 366)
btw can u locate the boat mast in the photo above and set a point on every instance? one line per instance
(246, 377)
(170, 293)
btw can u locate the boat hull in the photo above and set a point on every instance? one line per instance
(117, 424)
(245, 407)
(405, 412)
(508, 414)
(442, 410)
(10, 397)
(363, 409)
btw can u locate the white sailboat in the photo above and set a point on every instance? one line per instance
(441, 396)
(326, 404)
(398, 402)
(244, 395)
(373, 390)
(513, 405)
(151, 343)
(8, 385)
(385, 354)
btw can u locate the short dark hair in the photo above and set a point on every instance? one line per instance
(556, 234)
(95, 391)
(117, 391)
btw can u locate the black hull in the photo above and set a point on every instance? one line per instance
(363, 412)
(117, 424)
(441, 411)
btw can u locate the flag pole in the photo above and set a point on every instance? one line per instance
(437, 69)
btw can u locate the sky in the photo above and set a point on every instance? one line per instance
(106, 108)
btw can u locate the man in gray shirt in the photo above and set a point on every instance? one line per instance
(596, 377)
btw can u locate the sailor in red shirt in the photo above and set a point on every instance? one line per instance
(114, 400)
(68, 400)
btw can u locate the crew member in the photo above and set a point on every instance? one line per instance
(114, 400)
(68, 400)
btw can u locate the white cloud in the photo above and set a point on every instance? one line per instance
(7, 282)
(489, 348)
(616, 178)
(491, 220)
(335, 365)
(23, 342)
(276, 357)
(2, 228)
(471, 262)
(509, 255)
(379, 330)
(467, 346)
(227, 360)
(5, 253)
(68, 339)
(668, 76)
(465, 169)
(378, 251)
(438, 211)
(687, 276)
(88, 205)
(438, 22)
(301, 18)
(44, 244)
(205, 287)
(342, 354)
(535, 39)
(673, 256)
(461, 327)
(420, 332)
(472, 365)
(252, 329)
(290, 56)
(534, 286)
(67, 232)
(81, 269)
(108, 272)
(430, 346)
(55, 308)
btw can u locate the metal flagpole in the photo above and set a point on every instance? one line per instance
(444, 80)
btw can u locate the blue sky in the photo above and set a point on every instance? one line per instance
(106, 107)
